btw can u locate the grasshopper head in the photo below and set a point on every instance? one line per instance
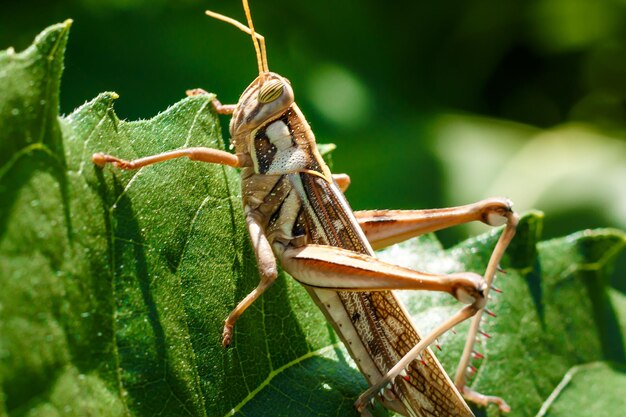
(266, 98)
(266, 123)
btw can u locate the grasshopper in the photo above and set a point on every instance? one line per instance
(296, 214)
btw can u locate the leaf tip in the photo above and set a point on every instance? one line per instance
(599, 246)
(100, 105)
(103, 100)
(523, 248)
(52, 40)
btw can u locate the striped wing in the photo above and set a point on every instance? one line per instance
(374, 322)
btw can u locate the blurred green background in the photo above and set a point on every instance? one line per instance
(430, 103)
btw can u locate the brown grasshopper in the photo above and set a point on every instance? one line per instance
(296, 212)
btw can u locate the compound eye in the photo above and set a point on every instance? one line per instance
(270, 91)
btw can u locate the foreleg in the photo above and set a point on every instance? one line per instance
(209, 155)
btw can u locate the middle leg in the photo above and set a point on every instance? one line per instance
(268, 272)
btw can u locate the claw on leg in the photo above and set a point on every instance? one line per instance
(227, 335)
(363, 408)
(215, 103)
(364, 411)
(195, 92)
(101, 159)
(485, 400)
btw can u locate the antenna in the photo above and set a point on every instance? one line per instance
(257, 39)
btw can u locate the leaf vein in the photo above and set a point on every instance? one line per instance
(193, 123)
(569, 375)
(277, 372)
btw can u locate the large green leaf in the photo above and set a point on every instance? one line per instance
(114, 285)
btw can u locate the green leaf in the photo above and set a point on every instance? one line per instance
(115, 284)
